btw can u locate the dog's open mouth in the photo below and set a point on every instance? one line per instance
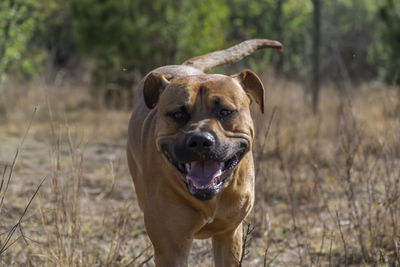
(205, 179)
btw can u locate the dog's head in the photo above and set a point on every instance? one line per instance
(204, 127)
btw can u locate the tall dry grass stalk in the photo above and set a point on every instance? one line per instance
(7, 238)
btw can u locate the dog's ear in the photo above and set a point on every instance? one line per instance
(153, 86)
(252, 85)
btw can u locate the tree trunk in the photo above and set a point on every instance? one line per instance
(316, 54)
(279, 31)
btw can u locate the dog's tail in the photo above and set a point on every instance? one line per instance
(235, 53)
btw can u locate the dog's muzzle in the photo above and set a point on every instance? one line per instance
(204, 163)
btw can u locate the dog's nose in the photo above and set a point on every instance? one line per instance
(200, 141)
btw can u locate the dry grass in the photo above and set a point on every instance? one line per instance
(327, 193)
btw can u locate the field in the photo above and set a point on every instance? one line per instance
(327, 188)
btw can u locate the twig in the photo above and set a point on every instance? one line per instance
(116, 238)
(15, 160)
(397, 250)
(22, 234)
(265, 254)
(12, 243)
(321, 247)
(9, 178)
(261, 151)
(287, 171)
(246, 239)
(113, 172)
(2, 178)
(330, 250)
(138, 256)
(342, 237)
(279, 252)
(17, 225)
(145, 261)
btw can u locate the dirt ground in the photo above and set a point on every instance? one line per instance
(327, 190)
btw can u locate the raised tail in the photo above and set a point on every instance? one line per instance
(235, 53)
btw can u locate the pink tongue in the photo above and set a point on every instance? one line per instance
(201, 173)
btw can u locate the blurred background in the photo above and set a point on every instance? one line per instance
(327, 150)
(112, 44)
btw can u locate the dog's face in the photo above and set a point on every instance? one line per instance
(204, 126)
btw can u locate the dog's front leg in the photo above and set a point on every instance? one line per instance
(227, 248)
(171, 229)
(171, 246)
(168, 253)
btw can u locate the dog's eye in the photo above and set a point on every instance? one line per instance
(179, 116)
(224, 113)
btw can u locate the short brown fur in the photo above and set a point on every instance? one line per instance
(173, 217)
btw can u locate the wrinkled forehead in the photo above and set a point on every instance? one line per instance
(211, 87)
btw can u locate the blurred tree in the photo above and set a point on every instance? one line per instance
(20, 20)
(119, 41)
(297, 38)
(56, 38)
(126, 39)
(390, 14)
(200, 28)
(252, 19)
(352, 42)
(21, 25)
(121, 36)
(285, 20)
(137, 34)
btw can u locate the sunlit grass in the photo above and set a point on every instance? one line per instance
(327, 189)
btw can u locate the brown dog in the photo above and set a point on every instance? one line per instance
(189, 154)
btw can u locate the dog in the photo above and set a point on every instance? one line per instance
(189, 154)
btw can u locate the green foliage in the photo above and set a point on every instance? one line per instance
(119, 40)
(351, 33)
(20, 20)
(390, 14)
(200, 27)
(138, 35)
(260, 19)
(248, 20)
(297, 36)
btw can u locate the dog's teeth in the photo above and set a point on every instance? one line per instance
(187, 167)
(215, 181)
